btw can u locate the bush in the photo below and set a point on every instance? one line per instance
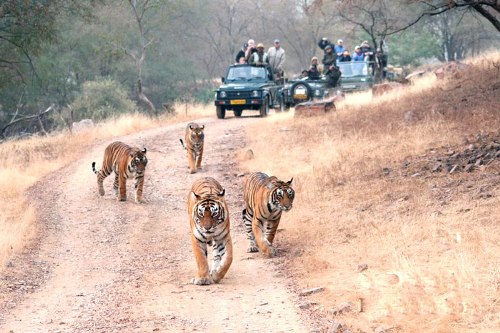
(100, 100)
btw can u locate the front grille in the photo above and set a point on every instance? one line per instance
(238, 94)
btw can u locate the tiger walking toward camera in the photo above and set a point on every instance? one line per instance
(195, 138)
(265, 199)
(126, 162)
(209, 221)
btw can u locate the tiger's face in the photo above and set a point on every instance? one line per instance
(282, 196)
(208, 214)
(197, 136)
(138, 161)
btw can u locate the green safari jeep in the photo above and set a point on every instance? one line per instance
(247, 87)
(355, 76)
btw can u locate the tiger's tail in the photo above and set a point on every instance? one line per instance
(93, 168)
(182, 143)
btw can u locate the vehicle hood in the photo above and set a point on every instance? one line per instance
(243, 86)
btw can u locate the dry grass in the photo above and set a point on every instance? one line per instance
(431, 242)
(26, 161)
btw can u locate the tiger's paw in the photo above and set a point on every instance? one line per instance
(201, 281)
(140, 200)
(252, 249)
(271, 252)
(101, 191)
(191, 171)
(121, 198)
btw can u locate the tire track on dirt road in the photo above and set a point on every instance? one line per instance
(107, 266)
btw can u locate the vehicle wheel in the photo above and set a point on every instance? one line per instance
(264, 108)
(301, 92)
(221, 111)
(237, 113)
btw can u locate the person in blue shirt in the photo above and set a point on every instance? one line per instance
(339, 48)
(358, 55)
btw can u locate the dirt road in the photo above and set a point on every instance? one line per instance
(105, 266)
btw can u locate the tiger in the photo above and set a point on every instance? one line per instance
(265, 199)
(209, 220)
(194, 145)
(126, 162)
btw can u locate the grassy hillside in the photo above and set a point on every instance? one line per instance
(398, 205)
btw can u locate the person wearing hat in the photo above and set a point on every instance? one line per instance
(260, 57)
(314, 73)
(276, 56)
(339, 48)
(330, 64)
(241, 53)
(358, 55)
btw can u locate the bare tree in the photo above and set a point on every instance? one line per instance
(489, 9)
(139, 56)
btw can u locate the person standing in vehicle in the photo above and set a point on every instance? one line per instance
(339, 48)
(314, 73)
(259, 58)
(358, 55)
(276, 57)
(330, 64)
(250, 50)
(241, 53)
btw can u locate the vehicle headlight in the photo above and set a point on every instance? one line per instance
(255, 93)
(317, 92)
(222, 94)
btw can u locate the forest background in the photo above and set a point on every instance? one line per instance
(62, 61)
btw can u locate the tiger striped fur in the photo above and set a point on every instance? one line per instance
(126, 162)
(194, 145)
(265, 199)
(209, 220)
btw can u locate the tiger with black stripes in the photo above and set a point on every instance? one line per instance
(126, 162)
(265, 199)
(209, 221)
(195, 138)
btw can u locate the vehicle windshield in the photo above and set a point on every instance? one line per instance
(353, 68)
(246, 73)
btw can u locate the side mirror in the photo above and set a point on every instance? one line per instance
(222, 79)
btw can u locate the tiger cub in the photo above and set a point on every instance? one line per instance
(265, 198)
(126, 162)
(194, 145)
(209, 220)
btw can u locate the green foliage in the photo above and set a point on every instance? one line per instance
(100, 100)
(410, 48)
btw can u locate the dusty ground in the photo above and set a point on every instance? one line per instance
(105, 266)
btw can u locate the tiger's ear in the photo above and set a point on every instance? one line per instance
(270, 186)
(144, 150)
(195, 195)
(190, 127)
(202, 127)
(221, 194)
(289, 182)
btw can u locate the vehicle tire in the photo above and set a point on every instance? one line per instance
(264, 108)
(301, 85)
(221, 111)
(237, 113)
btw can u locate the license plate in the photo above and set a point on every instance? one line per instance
(349, 86)
(300, 91)
(237, 101)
